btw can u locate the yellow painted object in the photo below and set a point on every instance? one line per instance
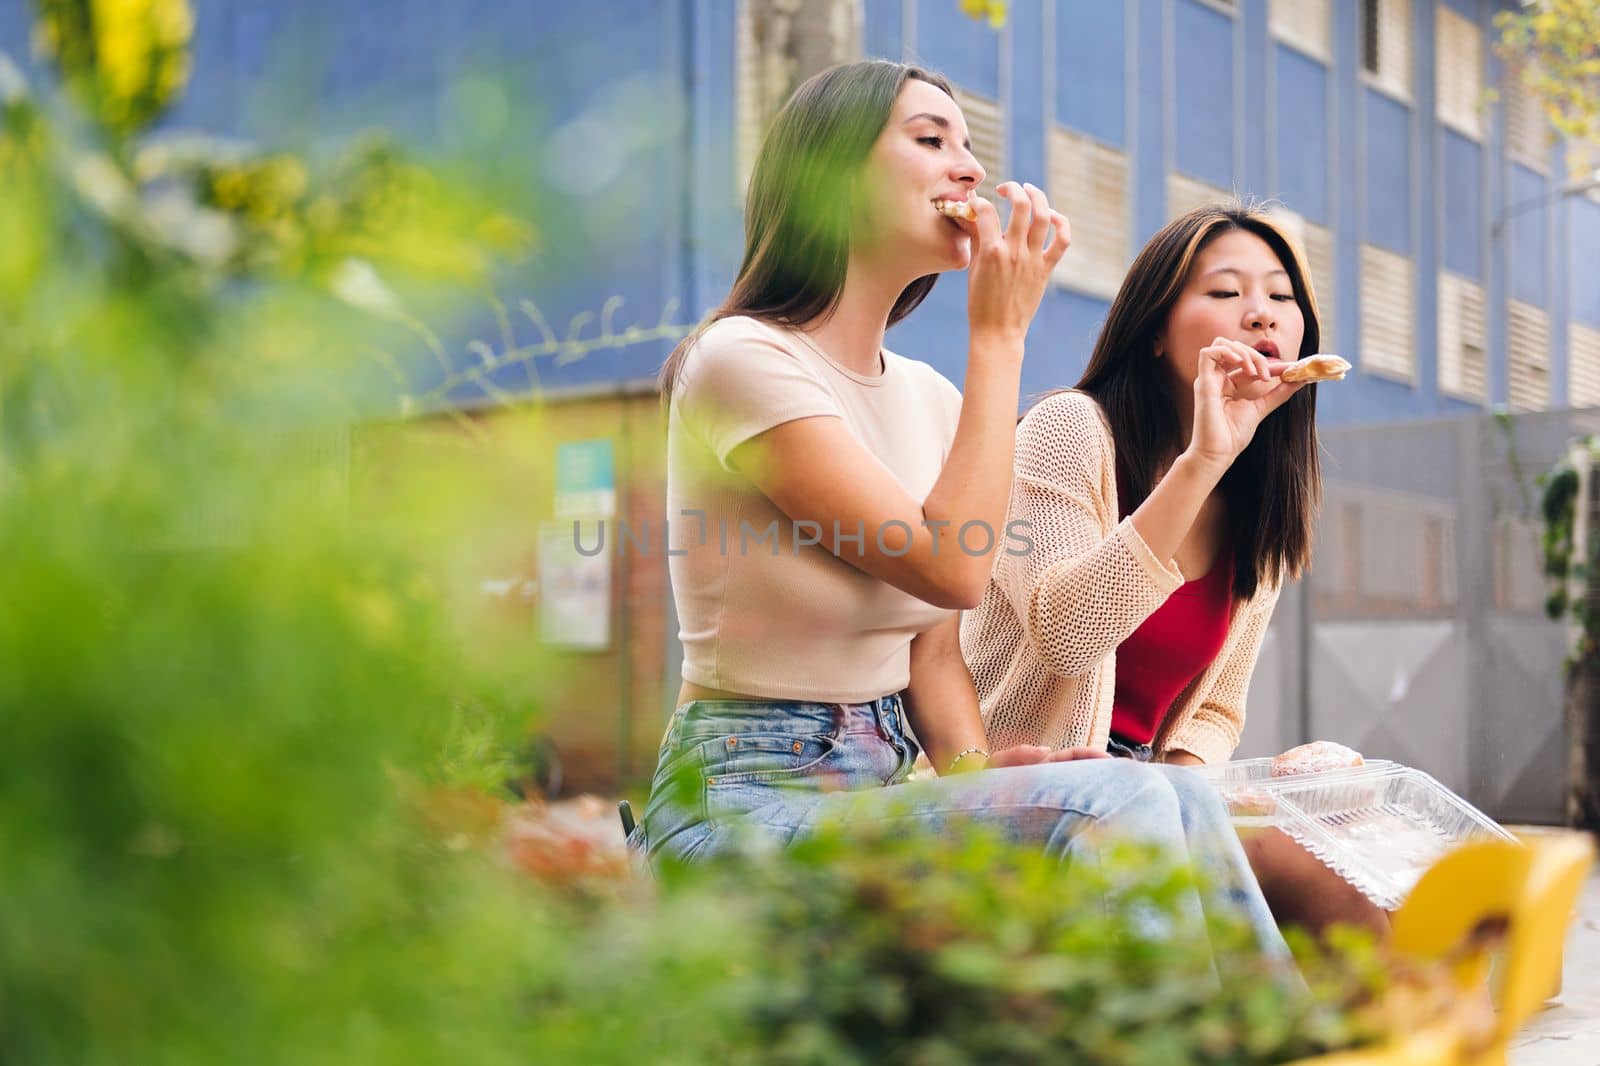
(1530, 891)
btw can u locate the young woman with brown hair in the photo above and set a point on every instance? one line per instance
(1168, 496)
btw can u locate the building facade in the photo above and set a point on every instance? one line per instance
(1452, 265)
(1451, 269)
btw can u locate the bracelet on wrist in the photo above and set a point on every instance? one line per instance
(963, 754)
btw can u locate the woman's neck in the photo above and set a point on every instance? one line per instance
(853, 334)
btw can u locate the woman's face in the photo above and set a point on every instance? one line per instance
(1236, 288)
(923, 155)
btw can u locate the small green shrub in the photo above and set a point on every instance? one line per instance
(933, 950)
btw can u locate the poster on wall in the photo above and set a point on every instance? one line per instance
(586, 480)
(574, 587)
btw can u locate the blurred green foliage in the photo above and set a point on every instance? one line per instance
(927, 950)
(229, 701)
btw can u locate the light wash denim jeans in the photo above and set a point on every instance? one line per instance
(733, 770)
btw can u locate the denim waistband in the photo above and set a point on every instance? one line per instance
(884, 716)
(1123, 748)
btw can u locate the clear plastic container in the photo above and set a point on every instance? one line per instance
(1379, 828)
(1250, 791)
(1238, 772)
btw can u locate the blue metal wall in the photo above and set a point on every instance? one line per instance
(1300, 135)
(628, 108)
(1582, 224)
(1185, 86)
(1205, 105)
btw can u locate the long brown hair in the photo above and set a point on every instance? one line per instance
(802, 199)
(1273, 489)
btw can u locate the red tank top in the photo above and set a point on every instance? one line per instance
(1170, 649)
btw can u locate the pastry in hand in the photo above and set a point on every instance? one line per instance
(1317, 368)
(1315, 757)
(956, 209)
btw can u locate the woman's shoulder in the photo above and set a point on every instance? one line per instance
(737, 346)
(1064, 440)
(1069, 413)
(740, 329)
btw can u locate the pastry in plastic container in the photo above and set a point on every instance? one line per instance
(1250, 801)
(1380, 828)
(1250, 790)
(1315, 757)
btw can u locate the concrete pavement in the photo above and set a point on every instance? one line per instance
(1567, 1033)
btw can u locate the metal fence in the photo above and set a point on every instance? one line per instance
(1420, 634)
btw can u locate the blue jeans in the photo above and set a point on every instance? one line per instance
(731, 771)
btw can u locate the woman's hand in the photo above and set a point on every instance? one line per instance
(1235, 388)
(1074, 754)
(1032, 754)
(1010, 270)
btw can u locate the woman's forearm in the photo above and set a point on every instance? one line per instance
(975, 484)
(941, 702)
(1165, 517)
(944, 736)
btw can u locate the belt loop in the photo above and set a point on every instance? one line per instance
(680, 719)
(889, 720)
(1122, 748)
(878, 726)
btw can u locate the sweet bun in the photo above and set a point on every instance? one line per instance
(1315, 757)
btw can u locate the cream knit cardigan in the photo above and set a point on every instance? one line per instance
(1042, 644)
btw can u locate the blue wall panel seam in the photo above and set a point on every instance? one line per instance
(1236, 112)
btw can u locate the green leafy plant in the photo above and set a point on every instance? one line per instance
(1567, 564)
(923, 949)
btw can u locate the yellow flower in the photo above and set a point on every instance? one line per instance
(992, 11)
(124, 54)
(137, 61)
